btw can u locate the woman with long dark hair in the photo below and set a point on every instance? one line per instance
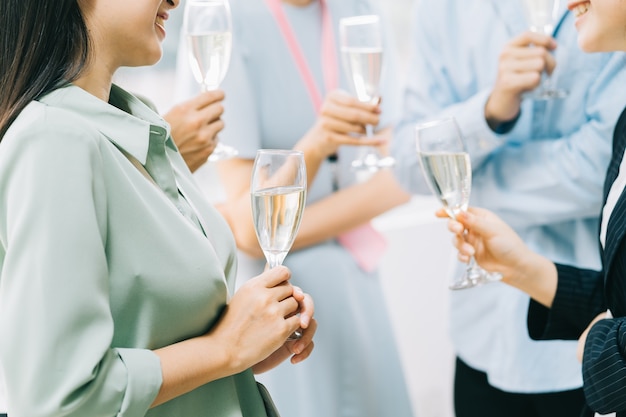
(117, 277)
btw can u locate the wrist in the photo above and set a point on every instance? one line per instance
(311, 147)
(535, 275)
(501, 111)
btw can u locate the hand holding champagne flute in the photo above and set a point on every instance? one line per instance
(447, 170)
(278, 192)
(362, 52)
(541, 16)
(207, 27)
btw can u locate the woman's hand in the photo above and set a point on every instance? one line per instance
(299, 349)
(261, 316)
(480, 233)
(497, 248)
(195, 124)
(342, 121)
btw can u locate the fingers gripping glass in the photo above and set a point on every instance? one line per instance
(542, 16)
(208, 30)
(447, 170)
(278, 191)
(362, 56)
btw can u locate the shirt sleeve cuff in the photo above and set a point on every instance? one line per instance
(143, 368)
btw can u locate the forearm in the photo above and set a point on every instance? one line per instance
(191, 363)
(348, 208)
(535, 275)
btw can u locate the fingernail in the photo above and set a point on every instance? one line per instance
(298, 347)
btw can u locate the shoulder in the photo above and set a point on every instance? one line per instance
(41, 125)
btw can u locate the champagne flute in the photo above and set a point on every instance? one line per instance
(362, 57)
(447, 170)
(278, 191)
(208, 30)
(542, 16)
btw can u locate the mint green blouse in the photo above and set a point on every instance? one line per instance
(99, 265)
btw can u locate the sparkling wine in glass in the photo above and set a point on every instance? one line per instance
(278, 191)
(362, 56)
(447, 169)
(542, 16)
(208, 31)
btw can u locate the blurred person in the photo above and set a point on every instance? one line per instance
(571, 302)
(538, 164)
(125, 272)
(356, 368)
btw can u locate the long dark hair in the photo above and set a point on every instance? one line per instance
(42, 44)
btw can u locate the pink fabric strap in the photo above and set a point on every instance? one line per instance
(329, 56)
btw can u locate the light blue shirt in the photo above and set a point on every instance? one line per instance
(544, 177)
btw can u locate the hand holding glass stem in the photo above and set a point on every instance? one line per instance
(362, 53)
(447, 170)
(542, 16)
(208, 29)
(278, 192)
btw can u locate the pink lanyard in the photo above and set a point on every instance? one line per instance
(329, 57)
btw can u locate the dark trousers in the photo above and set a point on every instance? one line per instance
(474, 397)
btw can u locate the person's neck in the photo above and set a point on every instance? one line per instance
(298, 2)
(97, 83)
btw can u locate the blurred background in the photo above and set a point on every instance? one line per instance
(415, 268)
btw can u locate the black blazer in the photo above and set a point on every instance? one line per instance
(583, 294)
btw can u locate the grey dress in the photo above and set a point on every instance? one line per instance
(355, 369)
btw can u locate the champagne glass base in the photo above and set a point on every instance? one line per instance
(475, 276)
(222, 152)
(546, 94)
(462, 284)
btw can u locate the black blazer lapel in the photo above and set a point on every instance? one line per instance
(617, 222)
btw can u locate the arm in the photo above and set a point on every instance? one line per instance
(57, 324)
(251, 333)
(497, 248)
(517, 171)
(566, 298)
(604, 366)
(551, 179)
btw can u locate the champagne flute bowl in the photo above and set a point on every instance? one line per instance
(208, 31)
(447, 170)
(362, 57)
(278, 192)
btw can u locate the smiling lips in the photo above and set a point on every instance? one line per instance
(160, 20)
(579, 8)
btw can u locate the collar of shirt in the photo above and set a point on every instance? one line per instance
(139, 121)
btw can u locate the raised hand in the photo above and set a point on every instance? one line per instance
(195, 124)
(261, 316)
(519, 71)
(482, 234)
(342, 121)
